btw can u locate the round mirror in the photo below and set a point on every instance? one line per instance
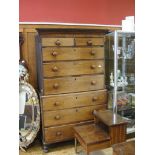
(29, 114)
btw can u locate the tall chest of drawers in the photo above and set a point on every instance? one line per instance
(71, 82)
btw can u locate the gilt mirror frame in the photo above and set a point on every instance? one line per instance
(25, 139)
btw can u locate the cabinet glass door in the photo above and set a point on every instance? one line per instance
(120, 74)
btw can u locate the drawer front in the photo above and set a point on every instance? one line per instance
(54, 134)
(68, 53)
(57, 42)
(73, 68)
(89, 41)
(64, 101)
(52, 118)
(60, 133)
(73, 84)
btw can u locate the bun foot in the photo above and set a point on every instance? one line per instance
(45, 149)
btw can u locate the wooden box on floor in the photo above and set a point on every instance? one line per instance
(108, 129)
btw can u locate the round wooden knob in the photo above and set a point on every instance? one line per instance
(95, 98)
(56, 85)
(92, 66)
(89, 42)
(56, 103)
(58, 133)
(92, 52)
(57, 117)
(58, 43)
(55, 68)
(93, 82)
(54, 53)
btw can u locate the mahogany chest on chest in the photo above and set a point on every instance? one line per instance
(71, 80)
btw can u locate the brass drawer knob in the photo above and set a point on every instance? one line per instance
(89, 42)
(54, 53)
(55, 68)
(56, 103)
(95, 98)
(92, 52)
(58, 43)
(58, 133)
(56, 86)
(93, 82)
(57, 117)
(92, 66)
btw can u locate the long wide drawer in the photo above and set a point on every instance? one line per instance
(73, 68)
(59, 117)
(64, 101)
(73, 84)
(69, 53)
(89, 41)
(57, 42)
(60, 133)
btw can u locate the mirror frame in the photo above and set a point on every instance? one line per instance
(35, 125)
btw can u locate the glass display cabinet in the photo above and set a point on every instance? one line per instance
(120, 74)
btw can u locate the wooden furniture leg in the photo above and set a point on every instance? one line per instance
(87, 152)
(45, 148)
(75, 145)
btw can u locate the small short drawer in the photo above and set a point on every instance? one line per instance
(73, 68)
(69, 53)
(57, 42)
(89, 41)
(65, 101)
(59, 117)
(60, 133)
(73, 84)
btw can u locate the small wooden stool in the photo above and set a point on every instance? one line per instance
(91, 137)
(107, 130)
(113, 124)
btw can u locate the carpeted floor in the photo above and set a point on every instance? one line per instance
(65, 148)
